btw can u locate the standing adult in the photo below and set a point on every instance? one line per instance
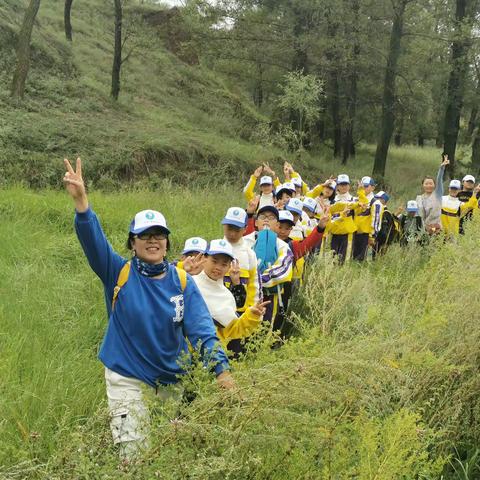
(430, 201)
(152, 309)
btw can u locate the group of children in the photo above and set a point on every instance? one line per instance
(260, 260)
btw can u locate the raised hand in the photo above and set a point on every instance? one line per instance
(446, 160)
(258, 171)
(234, 273)
(194, 265)
(259, 308)
(267, 169)
(477, 188)
(324, 219)
(75, 185)
(253, 205)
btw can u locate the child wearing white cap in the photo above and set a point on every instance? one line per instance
(412, 230)
(468, 183)
(267, 183)
(453, 209)
(234, 223)
(194, 248)
(220, 301)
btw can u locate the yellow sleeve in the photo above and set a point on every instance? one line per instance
(249, 190)
(472, 204)
(304, 185)
(242, 327)
(362, 198)
(276, 182)
(253, 287)
(315, 192)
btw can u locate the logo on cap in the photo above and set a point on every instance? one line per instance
(195, 241)
(149, 215)
(236, 213)
(223, 243)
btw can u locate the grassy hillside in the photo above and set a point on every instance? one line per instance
(173, 121)
(380, 382)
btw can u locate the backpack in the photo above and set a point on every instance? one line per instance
(125, 272)
(389, 229)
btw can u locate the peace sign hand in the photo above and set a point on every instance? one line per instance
(75, 185)
(194, 265)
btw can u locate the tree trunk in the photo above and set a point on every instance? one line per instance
(421, 140)
(348, 143)
(456, 81)
(388, 104)
(472, 120)
(333, 94)
(397, 139)
(23, 50)
(117, 53)
(476, 153)
(66, 19)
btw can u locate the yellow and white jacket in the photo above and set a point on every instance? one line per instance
(249, 192)
(452, 210)
(249, 277)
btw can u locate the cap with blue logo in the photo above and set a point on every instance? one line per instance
(266, 180)
(220, 247)
(287, 187)
(343, 178)
(286, 216)
(412, 206)
(297, 181)
(295, 205)
(383, 196)
(235, 216)
(455, 184)
(147, 219)
(368, 182)
(195, 244)
(311, 204)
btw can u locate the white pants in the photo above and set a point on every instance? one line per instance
(127, 403)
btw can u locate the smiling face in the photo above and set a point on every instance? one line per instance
(369, 189)
(468, 186)
(428, 185)
(217, 266)
(343, 188)
(150, 246)
(327, 192)
(453, 192)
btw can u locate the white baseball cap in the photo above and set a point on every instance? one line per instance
(332, 184)
(311, 204)
(236, 216)
(286, 216)
(343, 178)
(266, 180)
(383, 195)
(468, 178)
(195, 244)
(220, 246)
(456, 184)
(368, 181)
(297, 181)
(295, 205)
(288, 186)
(147, 219)
(412, 206)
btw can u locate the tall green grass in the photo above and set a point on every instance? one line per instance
(381, 380)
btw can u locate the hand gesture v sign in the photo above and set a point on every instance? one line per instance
(75, 186)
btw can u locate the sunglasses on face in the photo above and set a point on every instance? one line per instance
(149, 235)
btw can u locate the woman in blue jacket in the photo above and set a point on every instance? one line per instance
(152, 308)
